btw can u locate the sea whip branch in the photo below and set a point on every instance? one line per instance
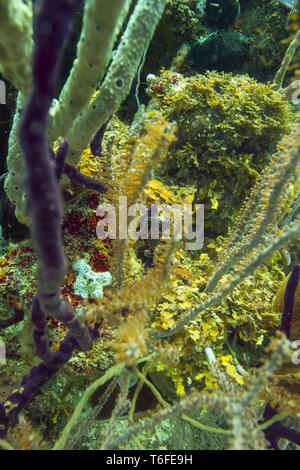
(52, 26)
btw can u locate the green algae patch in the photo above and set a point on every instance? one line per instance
(227, 128)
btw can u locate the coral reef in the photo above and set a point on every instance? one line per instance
(118, 331)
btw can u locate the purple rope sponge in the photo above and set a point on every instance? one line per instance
(51, 29)
(52, 26)
(289, 300)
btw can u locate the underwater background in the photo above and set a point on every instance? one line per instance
(141, 343)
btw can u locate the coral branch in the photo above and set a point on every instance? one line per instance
(16, 318)
(118, 80)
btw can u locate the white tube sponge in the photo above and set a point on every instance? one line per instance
(102, 22)
(15, 163)
(16, 44)
(120, 75)
(16, 48)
